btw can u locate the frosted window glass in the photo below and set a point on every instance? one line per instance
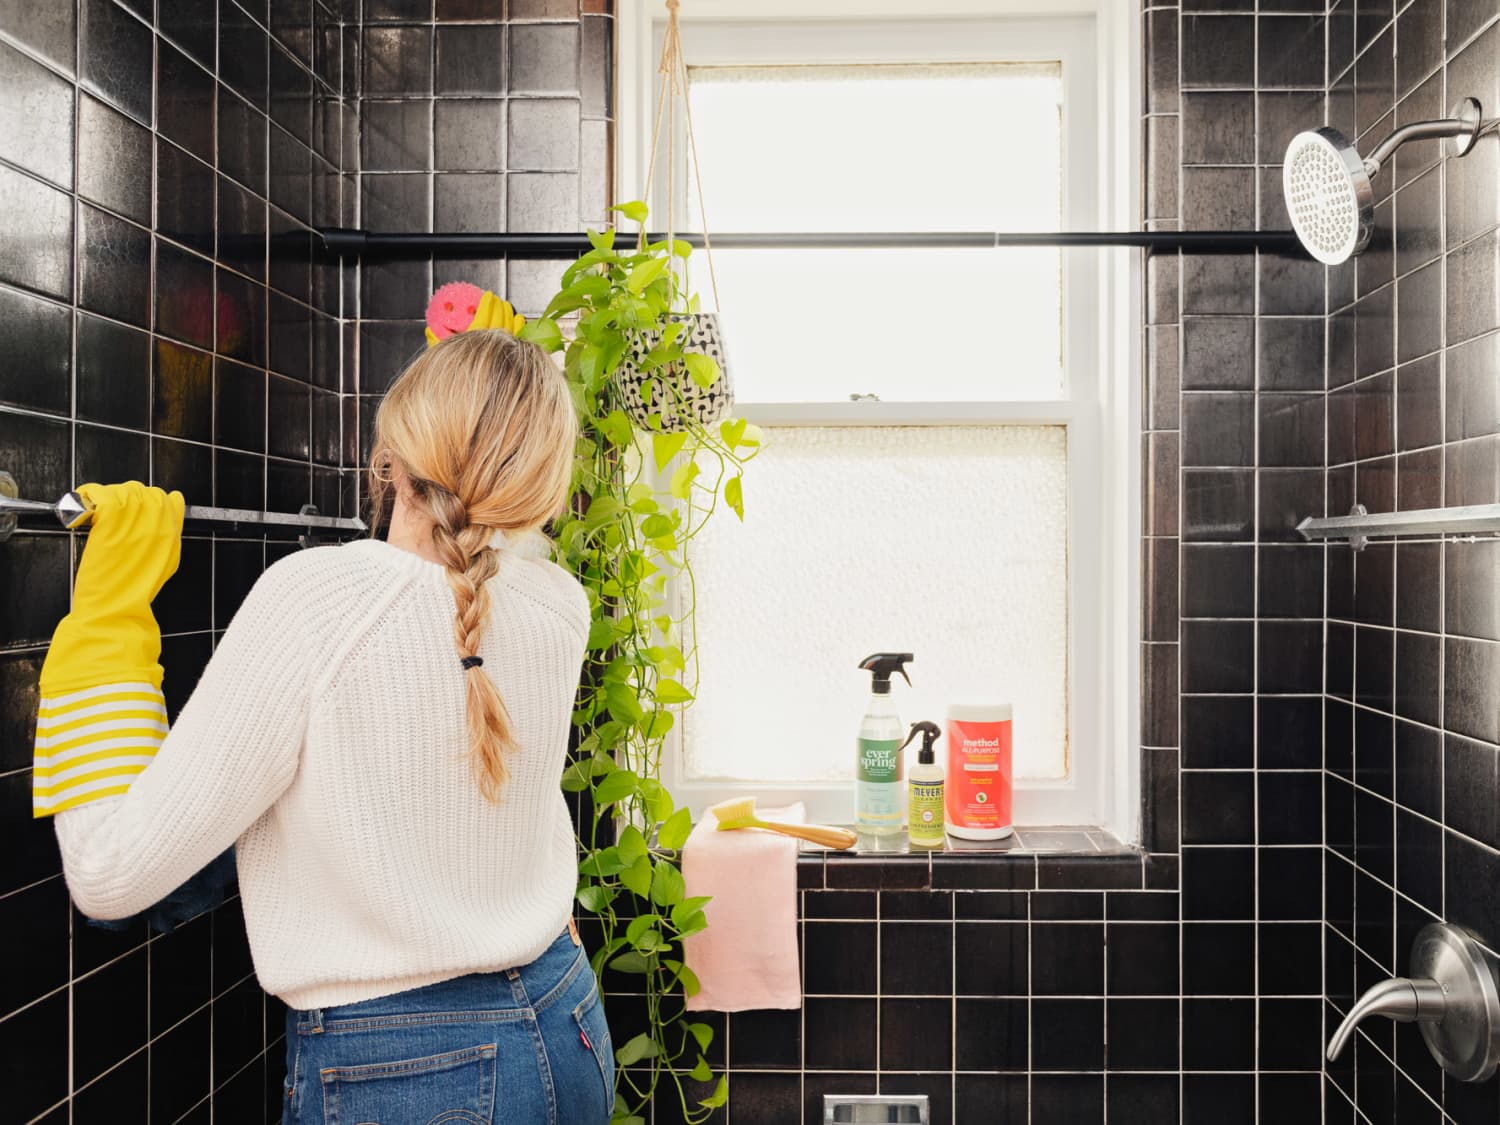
(872, 148)
(947, 542)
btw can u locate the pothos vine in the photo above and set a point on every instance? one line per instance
(641, 495)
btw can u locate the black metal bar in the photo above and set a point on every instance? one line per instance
(360, 243)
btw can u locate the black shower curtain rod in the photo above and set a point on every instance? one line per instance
(361, 243)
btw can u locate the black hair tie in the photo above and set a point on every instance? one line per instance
(471, 662)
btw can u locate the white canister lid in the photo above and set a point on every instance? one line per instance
(980, 712)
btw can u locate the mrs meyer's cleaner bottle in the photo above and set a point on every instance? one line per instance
(877, 799)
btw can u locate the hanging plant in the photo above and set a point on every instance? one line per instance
(643, 491)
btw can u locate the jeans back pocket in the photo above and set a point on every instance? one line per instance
(455, 1088)
(593, 1028)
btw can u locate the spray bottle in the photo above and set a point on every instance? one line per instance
(924, 818)
(877, 799)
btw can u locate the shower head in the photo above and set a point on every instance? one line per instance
(1327, 184)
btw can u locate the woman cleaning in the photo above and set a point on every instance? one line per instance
(380, 734)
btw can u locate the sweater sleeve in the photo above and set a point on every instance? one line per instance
(232, 751)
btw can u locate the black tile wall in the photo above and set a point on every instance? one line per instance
(145, 321)
(475, 118)
(1410, 782)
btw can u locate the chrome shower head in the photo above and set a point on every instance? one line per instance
(1327, 188)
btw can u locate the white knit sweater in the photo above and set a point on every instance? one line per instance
(327, 740)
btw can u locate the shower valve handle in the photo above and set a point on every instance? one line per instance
(1452, 993)
(1399, 999)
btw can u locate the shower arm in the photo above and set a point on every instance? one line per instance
(1463, 129)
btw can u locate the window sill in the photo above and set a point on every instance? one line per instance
(1041, 858)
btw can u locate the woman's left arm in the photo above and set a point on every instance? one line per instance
(140, 809)
(233, 750)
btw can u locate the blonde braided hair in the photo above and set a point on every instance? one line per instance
(481, 430)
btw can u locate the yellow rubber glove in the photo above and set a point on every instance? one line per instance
(491, 313)
(495, 313)
(102, 714)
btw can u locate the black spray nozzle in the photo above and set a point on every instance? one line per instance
(930, 733)
(882, 664)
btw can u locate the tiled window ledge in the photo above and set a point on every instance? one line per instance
(1032, 859)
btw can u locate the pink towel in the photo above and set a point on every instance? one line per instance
(747, 957)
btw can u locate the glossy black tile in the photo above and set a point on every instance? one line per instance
(184, 296)
(1218, 505)
(1067, 959)
(36, 118)
(39, 220)
(242, 142)
(114, 267)
(36, 371)
(185, 209)
(1218, 883)
(184, 100)
(839, 1034)
(916, 1034)
(1218, 51)
(471, 60)
(1217, 656)
(115, 56)
(114, 160)
(109, 1009)
(243, 56)
(1471, 691)
(185, 1054)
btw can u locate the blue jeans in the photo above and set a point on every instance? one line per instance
(525, 1046)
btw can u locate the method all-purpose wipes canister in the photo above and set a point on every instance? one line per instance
(979, 770)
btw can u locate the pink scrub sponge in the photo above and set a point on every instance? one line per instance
(452, 308)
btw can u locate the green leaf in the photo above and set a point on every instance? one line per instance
(666, 883)
(688, 907)
(732, 430)
(703, 369)
(682, 480)
(631, 962)
(720, 1094)
(670, 691)
(641, 1047)
(595, 898)
(604, 241)
(616, 787)
(544, 333)
(702, 1072)
(602, 863)
(639, 925)
(657, 724)
(632, 844)
(602, 509)
(638, 876)
(644, 274)
(674, 833)
(656, 526)
(575, 778)
(616, 426)
(703, 1033)
(624, 702)
(634, 210)
(666, 446)
(681, 248)
(734, 496)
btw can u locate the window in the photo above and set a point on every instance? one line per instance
(943, 447)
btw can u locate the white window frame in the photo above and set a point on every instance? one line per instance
(1099, 46)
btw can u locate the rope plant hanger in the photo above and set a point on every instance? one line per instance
(662, 397)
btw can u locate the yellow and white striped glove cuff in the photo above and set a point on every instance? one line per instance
(90, 744)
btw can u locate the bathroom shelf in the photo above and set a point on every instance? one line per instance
(1359, 526)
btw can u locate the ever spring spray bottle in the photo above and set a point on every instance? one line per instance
(924, 787)
(877, 798)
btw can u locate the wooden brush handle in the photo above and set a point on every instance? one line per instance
(841, 838)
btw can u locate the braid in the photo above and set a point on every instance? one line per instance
(471, 562)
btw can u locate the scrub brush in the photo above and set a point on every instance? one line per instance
(739, 812)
